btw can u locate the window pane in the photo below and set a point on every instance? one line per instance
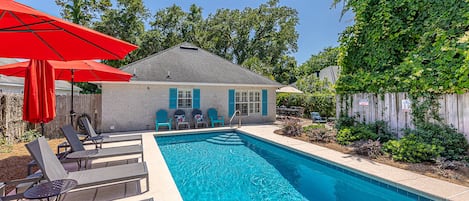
(244, 109)
(185, 98)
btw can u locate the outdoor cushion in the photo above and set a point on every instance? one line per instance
(199, 117)
(180, 118)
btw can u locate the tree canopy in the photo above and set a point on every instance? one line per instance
(261, 39)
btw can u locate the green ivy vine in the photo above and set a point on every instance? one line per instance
(416, 46)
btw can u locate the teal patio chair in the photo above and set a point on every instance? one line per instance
(214, 118)
(162, 119)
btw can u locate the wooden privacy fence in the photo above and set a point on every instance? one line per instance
(394, 108)
(12, 125)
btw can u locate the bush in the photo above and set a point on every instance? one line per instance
(344, 122)
(454, 143)
(381, 128)
(411, 149)
(29, 136)
(355, 133)
(292, 127)
(321, 135)
(368, 148)
(313, 127)
(5, 147)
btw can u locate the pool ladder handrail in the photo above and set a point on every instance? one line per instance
(239, 118)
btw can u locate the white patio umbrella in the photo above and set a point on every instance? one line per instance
(288, 89)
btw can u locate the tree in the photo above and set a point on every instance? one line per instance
(173, 26)
(125, 22)
(262, 36)
(82, 12)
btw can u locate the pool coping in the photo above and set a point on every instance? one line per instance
(163, 187)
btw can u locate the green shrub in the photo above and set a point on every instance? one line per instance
(454, 143)
(313, 127)
(355, 133)
(381, 128)
(5, 146)
(411, 149)
(29, 136)
(345, 122)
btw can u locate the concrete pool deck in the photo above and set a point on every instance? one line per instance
(162, 186)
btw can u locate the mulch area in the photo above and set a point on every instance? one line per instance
(13, 164)
(459, 176)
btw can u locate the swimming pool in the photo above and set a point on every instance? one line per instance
(234, 166)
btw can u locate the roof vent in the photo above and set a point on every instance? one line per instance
(188, 47)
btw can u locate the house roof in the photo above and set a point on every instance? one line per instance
(19, 81)
(187, 63)
(330, 73)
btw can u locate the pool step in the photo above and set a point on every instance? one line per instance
(226, 139)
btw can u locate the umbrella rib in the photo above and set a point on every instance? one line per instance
(3, 14)
(39, 37)
(8, 29)
(87, 41)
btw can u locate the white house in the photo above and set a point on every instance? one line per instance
(185, 77)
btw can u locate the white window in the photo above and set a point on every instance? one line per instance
(248, 102)
(184, 98)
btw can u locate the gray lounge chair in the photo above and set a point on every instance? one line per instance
(96, 138)
(78, 149)
(52, 169)
(21, 185)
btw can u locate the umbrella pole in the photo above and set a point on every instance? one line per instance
(42, 128)
(72, 113)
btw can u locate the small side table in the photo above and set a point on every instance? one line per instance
(51, 189)
(80, 155)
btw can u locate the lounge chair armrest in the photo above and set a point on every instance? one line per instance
(97, 140)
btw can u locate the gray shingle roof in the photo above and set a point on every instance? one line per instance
(188, 63)
(19, 81)
(330, 73)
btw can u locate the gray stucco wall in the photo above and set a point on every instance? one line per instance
(129, 107)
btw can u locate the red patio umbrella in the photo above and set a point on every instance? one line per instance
(73, 71)
(40, 73)
(28, 33)
(31, 34)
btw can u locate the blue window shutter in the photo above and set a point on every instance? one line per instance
(196, 99)
(173, 98)
(264, 102)
(231, 102)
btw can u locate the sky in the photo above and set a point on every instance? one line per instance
(319, 26)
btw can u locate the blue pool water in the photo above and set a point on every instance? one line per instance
(233, 166)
